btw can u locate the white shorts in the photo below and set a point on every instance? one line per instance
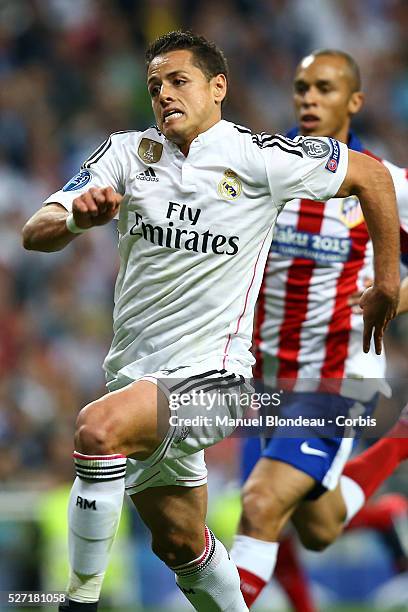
(203, 409)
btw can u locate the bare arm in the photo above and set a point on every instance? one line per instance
(403, 304)
(46, 230)
(371, 182)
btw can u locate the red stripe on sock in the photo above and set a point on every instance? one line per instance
(207, 546)
(191, 564)
(251, 586)
(77, 455)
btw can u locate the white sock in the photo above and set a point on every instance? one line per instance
(353, 496)
(255, 556)
(211, 582)
(93, 516)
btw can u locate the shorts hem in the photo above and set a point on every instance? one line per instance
(293, 463)
(178, 482)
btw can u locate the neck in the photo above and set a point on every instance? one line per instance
(342, 134)
(184, 148)
(185, 145)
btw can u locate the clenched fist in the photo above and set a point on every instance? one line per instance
(96, 206)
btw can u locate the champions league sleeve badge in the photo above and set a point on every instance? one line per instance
(150, 151)
(78, 181)
(333, 162)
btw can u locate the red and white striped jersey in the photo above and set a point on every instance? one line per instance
(320, 254)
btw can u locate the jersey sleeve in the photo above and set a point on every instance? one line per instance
(103, 168)
(312, 168)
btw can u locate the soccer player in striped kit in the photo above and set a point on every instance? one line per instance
(192, 246)
(307, 331)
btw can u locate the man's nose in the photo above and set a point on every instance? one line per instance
(310, 97)
(165, 94)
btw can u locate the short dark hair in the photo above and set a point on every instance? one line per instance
(350, 61)
(207, 56)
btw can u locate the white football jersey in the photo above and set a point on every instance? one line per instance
(194, 234)
(321, 253)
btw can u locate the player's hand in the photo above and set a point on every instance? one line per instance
(379, 307)
(96, 206)
(354, 299)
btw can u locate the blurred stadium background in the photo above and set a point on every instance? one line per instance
(71, 72)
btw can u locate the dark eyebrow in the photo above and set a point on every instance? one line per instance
(300, 82)
(319, 83)
(171, 74)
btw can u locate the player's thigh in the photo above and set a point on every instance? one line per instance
(175, 516)
(319, 522)
(282, 477)
(126, 420)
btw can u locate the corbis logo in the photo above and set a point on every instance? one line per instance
(230, 186)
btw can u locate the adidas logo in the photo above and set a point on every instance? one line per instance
(147, 175)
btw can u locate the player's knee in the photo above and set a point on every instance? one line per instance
(262, 506)
(318, 537)
(92, 432)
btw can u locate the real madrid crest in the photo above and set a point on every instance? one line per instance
(350, 212)
(150, 151)
(230, 186)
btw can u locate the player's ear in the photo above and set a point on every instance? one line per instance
(219, 87)
(356, 102)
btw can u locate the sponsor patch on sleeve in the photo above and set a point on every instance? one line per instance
(333, 161)
(78, 181)
(315, 147)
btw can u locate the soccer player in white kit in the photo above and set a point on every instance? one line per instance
(197, 199)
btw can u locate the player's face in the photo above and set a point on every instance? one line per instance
(324, 101)
(184, 102)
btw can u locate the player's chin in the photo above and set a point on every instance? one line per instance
(173, 133)
(313, 129)
(310, 132)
